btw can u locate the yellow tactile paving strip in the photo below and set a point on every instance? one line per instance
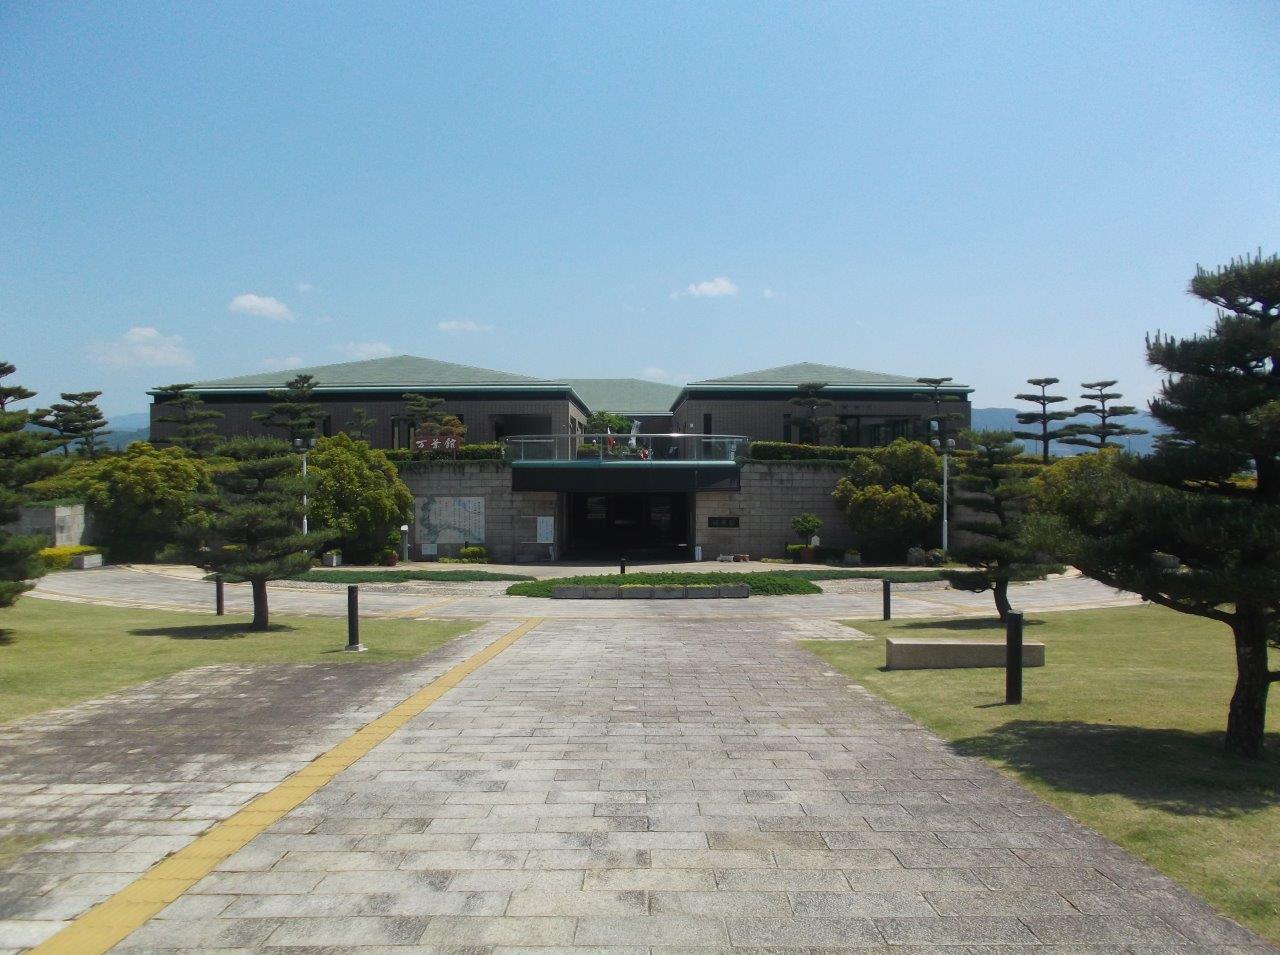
(114, 919)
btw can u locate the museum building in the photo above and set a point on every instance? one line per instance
(679, 483)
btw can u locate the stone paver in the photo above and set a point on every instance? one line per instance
(661, 785)
(115, 784)
(841, 599)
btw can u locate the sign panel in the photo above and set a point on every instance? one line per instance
(722, 522)
(425, 440)
(450, 520)
(546, 530)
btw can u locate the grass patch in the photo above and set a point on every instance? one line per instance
(54, 654)
(761, 584)
(893, 576)
(403, 576)
(1122, 729)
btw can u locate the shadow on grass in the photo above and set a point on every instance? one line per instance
(211, 631)
(966, 623)
(1173, 770)
(6, 637)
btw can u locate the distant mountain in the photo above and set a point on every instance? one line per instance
(1006, 419)
(134, 421)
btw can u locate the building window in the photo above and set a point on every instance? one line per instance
(786, 428)
(706, 424)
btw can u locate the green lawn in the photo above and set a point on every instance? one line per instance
(762, 584)
(401, 576)
(53, 653)
(1122, 729)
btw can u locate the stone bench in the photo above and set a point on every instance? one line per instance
(655, 592)
(934, 653)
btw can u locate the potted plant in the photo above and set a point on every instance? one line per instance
(806, 527)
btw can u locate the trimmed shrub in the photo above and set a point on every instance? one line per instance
(59, 558)
(487, 451)
(787, 451)
(474, 552)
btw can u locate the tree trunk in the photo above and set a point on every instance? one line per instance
(1001, 591)
(1246, 721)
(259, 605)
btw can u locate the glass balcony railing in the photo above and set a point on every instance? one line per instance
(624, 448)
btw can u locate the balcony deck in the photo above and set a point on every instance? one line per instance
(623, 450)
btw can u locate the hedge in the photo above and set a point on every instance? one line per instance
(786, 451)
(761, 583)
(59, 558)
(490, 451)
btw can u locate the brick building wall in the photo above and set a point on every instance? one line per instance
(509, 516)
(546, 415)
(772, 494)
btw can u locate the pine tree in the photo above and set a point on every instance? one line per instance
(1195, 526)
(23, 459)
(809, 397)
(1097, 436)
(295, 411)
(197, 424)
(1043, 418)
(430, 422)
(361, 424)
(940, 419)
(77, 421)
(254, 533)
(992, 495)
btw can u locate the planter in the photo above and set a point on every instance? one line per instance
(86, 561)
(635, 592)
(670, 592)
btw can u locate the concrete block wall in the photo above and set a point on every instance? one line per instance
(65, 525)
(509, 516)
(772, 494)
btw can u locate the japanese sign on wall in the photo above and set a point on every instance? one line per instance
(448, 443)
(450, 520)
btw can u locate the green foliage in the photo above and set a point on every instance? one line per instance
(23, 459)
(295, 411)
(430, 422)
(59, 558)
(1184, 527)
(141, 499)
(992, 495)
(196, 424)
(761, 584)
(806, 525)
(254, 532)
(355, 493)
(787, 451)
(809, 397)
(1043, 418)
(892, 498)
(1101, 434)
(485, 451)
(474, 552)
(603, 422)
(403, 576)
(78, 422)
(361, 425)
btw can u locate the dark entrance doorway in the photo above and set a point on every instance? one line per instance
(653, 526)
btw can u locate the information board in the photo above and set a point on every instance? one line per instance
(450, 520)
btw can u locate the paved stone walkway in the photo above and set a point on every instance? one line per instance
(642, 785)
(848, 599)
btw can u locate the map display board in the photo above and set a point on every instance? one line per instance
(450, 520)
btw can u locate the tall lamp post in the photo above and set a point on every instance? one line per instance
(304, 445)
(945, 450)
(943, 445)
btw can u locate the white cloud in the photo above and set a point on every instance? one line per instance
(282, 364)
(144, 347)
(305, 287)
(709, 288)
(261, 305)
(770, 293)
(456, 327)
(363, 351)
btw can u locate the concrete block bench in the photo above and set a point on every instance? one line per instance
(86, 561)
(656, 592)
(932, 653)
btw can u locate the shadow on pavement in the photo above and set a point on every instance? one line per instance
(1174, 770)
(966, 623)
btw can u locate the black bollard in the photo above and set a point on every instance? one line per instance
(1013, 658)
(219, 598)
(353, 619)
(622, 566)
(886, 599)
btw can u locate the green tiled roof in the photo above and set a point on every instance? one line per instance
(625, 395)
(804, 372)
(400, 371)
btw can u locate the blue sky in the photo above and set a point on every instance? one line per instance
(679, 191)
